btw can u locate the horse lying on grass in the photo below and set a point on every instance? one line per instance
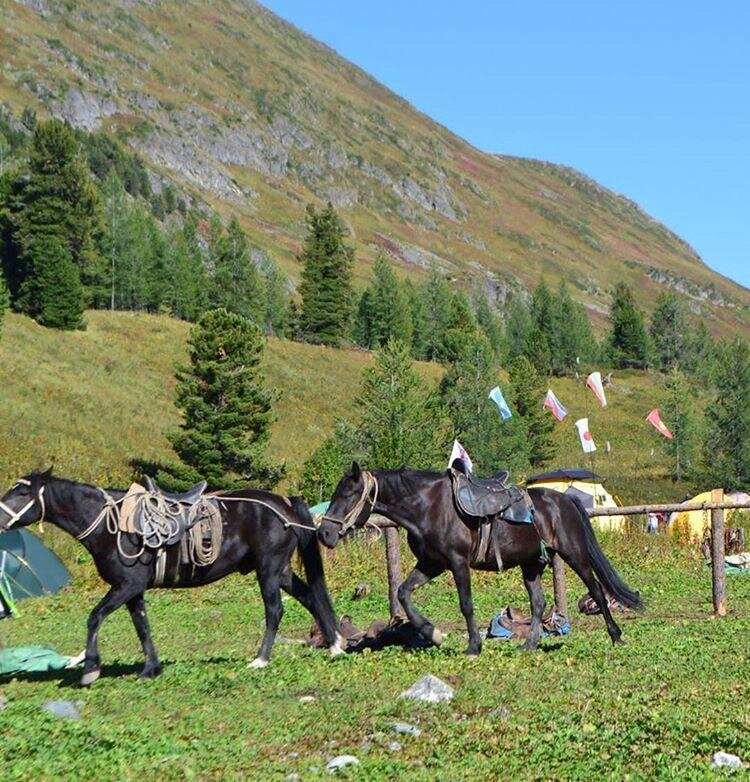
(259, 531)
(442, 538)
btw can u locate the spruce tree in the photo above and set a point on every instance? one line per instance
(57, 285)
(701, 354)
(668, 330)
(227, 407)
(389, 314)
(400, 423)
(679, 413)
(726, 448)
(236, 284)
(627, 341)
(489, 322)
(55, 199)
(459, 326)
(187, 287)
(326, 287)
(493, 443)
(432, 317)
(276, 299)
(574, 337)
(528, 388)
(362, 324)
(518, 327)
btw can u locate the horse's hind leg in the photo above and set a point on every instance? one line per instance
(418, 577)
(137, 607)
(462, 577)
(532, 580)
(270, 583)
(586, 574)
(299, 590)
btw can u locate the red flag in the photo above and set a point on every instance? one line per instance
(655, 420)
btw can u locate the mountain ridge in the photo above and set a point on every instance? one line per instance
(247, 114)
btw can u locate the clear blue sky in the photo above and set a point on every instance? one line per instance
(649, 97)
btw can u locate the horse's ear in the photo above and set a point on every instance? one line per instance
(356, 471)
(46, 474)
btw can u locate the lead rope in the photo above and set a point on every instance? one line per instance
(370, 482)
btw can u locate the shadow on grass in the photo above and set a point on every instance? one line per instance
(70, 677)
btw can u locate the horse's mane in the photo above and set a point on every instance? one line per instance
(410, 477)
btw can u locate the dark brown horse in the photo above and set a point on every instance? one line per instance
(254, 537)
(441, 539)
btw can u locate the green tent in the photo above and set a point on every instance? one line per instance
(27, 569)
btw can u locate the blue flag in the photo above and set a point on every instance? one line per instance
(496, 395)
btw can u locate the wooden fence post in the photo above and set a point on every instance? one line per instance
(558, 582)
(718, 577)
(393, 566)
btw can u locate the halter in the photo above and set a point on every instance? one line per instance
(16, 515)
(370, 483)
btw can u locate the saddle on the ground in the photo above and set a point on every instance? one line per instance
(489, 497)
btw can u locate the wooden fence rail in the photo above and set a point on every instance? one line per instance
(717, 507)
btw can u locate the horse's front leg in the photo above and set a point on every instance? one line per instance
(532, 580)
(422, 574)
(117, 596)
(462, 577)
(137, 608)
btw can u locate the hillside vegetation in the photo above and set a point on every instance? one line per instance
(92, 401)
(247, 115)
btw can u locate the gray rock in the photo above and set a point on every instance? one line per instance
(3, 702)
(293, 775)
(429, 689)
(341, 761)
(64, 709)
(404, 727)
(726, 759)
(502, 713)
(394, 746)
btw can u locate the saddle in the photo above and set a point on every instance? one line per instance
(489, 497)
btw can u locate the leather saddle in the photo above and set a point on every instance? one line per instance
(488, 497)
(163, 518)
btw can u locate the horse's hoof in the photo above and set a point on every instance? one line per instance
(90, 677)
(472, 655)
(149, 673)
(437, 637)
(527, 647)
(258, 662)
(335, 650)
(618, 642)
(340, 641)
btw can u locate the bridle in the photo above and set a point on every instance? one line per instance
(16, 515)
(370, 486)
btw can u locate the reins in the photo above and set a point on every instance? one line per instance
(370, 483)
(15, 516)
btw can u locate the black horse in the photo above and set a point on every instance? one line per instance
(441, 538)
(254, 538)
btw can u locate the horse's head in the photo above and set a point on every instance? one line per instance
(351, 505)
(23, 503)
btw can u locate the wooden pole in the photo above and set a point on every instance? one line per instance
(718, 577)
(558, 582)
(393, 566)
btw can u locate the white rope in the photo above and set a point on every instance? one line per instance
(287, 522)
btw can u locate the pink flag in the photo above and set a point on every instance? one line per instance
(594, 382)
(587, 441)
(655, 420)
(554, 405)
(459, 452)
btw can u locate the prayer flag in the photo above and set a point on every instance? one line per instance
(594, 382)
(655, 420)
(459, 452)
(587, 441)
(496, 395)
(554, 405)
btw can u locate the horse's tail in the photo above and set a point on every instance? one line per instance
(606, 574)
(309, 550)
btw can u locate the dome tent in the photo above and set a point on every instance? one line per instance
(691, 525)
(585, 486)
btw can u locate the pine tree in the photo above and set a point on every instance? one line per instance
(362, 323)
(276, 288)
(432, 316)
(627, 341)
(678, 411)
(57, 285)
(56, 199)
(668, 331)
(726, 448)
(574, 337)
(460, 325)
(528, 388)
(326, 287)
(492, 443)
(542, 344)
(518, 327)
(187, 289)
(489, 322)
(389, 314)
(700, 358)
(399, 421)
(226, 405)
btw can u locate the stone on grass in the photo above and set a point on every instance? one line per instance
(429, 689)
(721, 759)
(404, 727)
(341, 761)
(394, 746)
(306, 698)
(3, 702)
(502, 713)
(64, 709)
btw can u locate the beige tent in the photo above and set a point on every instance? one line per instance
(691, 525)
(587, 487)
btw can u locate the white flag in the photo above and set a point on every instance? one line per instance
(594, 382)
(587, 441)
(459, 452)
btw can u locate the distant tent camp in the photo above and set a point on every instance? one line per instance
(691, 525)
(587, 487)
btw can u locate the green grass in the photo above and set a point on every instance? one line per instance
(656, 708)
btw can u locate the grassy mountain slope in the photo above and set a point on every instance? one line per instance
(248, 115)
(92, 401)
